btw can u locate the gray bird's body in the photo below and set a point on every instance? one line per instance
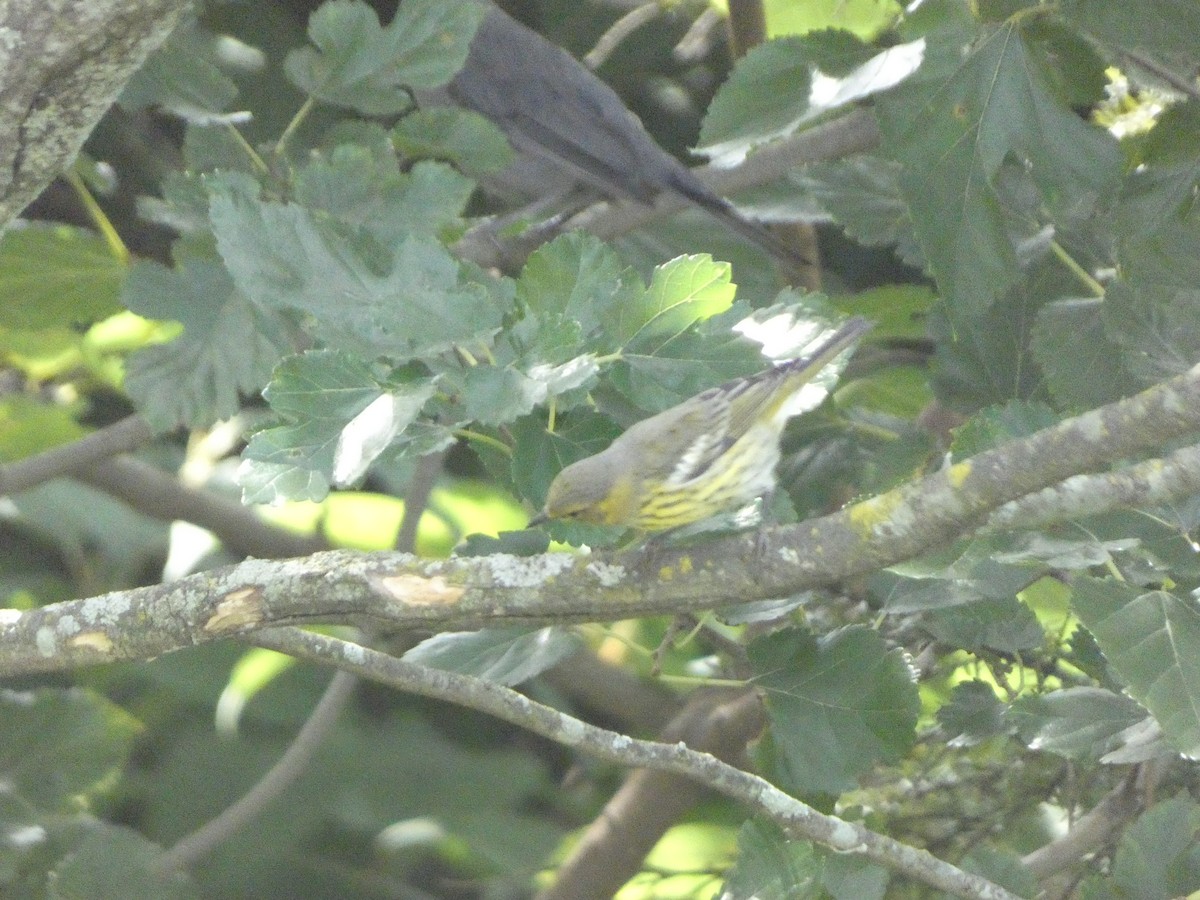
(554, 108)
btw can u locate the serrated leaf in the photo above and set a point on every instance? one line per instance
(569, 288)
(973, 714)
(1078, 723)
(55, 275)
(58, 746)
(863, 196)
(838, 705)
(360, 64)
(981, 359)
(773, 91)
(1092, 374)
(507, 656)
(770, 867)
(952, 135)
(458, 136)
(1155, 327)
(1157, 857)
(495, 396)
(1151, 640)
(996, 425)
(407, 299)
(1005, 624)
(183, 78)
(321, 394)
(682, 292)
(359, 189)
(227, 349)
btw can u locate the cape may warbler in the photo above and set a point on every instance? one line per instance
(713, 453)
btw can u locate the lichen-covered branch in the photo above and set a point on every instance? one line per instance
(62, 65)
(399, 590)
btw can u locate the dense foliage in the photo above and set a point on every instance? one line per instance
(275, 274)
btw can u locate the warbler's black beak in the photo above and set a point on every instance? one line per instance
(540, 519)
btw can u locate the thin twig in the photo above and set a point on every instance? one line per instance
(619, 31)
(798, 819)
(157, 494)
(120, 437)
(294, 761)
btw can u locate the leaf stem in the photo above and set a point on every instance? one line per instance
(297, 121)
(256, 159)
(102, 222)
(1077, 270)
(486, 439)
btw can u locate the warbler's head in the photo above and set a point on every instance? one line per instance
(592, 490)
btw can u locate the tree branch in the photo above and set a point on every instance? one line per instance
(120, 437)
(798, 819)
(1148, 483)
(462, 593)
(853, 133)
(62, 64)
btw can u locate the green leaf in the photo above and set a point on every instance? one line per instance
(765, 96)
(227, 349)
(458, 136)
(1002, 866)
(1158, 858)
(973, 714)
(682, 292)
(1155, 328)
(838, 704)
(770, 867)
(113, 863)
(29, 426)
(955, 125)
(1152, 640)
(359, 189)
(995, 425)
(1078, 723)
(358, 63)
(850, 877)
(982, 359)
(1161, 27)
(55, 275)
(568, 288)
(342, 414)
(863, 196)
(183, 78)
(507, 656)
(1005, 624)
(1090, 375)
(771, 91)
(57, 747)
(406, 300)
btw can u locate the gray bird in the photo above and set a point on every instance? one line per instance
(554, 108)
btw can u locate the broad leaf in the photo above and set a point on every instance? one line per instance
(838, 705)
(507, 656)
(406, 299)
(1152, 641)
(56, 275)
(360, 64)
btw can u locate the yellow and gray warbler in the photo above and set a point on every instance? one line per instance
(713, 453)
